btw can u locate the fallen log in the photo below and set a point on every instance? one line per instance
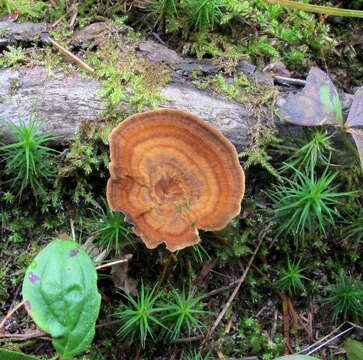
(63, 101)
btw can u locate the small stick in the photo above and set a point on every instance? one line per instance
(285, 312)
(72, 230)
(62, 17)
(311, 319)
(15, 296)
(322, 339)
(203, 273)
(127, 258)
(330, 340)
(71, 56)
(274, 326)
(24, 337)
(354, 325)
(290, 80)
(73, 19)
(295, 319)
(229, 325)
(108, 323)
(219, 290)
(188, 339)
(234, 294)
(11, 312)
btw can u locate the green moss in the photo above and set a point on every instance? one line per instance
(83, 159)
(258, 99)
(25, 8)
(293, 36)
(127, 77)
(251, 339)
(12, 56)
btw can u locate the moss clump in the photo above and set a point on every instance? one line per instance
(127, 77)
(258, 98)
(14, 55)
(251, 339)
(25, 8)
(290, 35)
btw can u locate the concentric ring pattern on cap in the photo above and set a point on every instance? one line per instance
(172, 174)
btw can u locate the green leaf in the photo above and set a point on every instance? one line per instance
(14, 355)
(60, 294)
(354, 350)
(317, 104)
(296, 357)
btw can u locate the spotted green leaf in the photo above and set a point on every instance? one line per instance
(355, 117)
(317, 104)
(354, 350)
(14, 355)
(60, 293)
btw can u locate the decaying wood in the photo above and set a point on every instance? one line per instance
(64, 101)
(12, 33)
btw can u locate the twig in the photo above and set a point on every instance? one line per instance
(72, 230)
(23, 337)
(15, 296)
(354, 325)
(43, 335)
(220, 290)
(164, 272)
(290, 80)
(127, 258)
(322, 339)
(157, 37)
(229, 325)
(108, 323)
(71, 56)
(234, 294)
(330, 340)
(285, 312)
(203, 274)
(73, 19)
(274, 326)
(11, 312)
(63, 16)
(188, 339)
(311, 319)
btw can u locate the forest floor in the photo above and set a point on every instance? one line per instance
(300, 280)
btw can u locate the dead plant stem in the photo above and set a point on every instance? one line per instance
(128, 257)
(11, 312)
(233, 295)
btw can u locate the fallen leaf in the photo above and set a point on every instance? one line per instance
(10, 17)
(357, 135)
(121, 279)
(317, 104)
(355, 117)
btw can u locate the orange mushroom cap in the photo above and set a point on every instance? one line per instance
(172, 174)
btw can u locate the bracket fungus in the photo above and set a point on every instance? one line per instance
(172, 174)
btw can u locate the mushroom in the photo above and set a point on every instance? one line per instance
(172, 174)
